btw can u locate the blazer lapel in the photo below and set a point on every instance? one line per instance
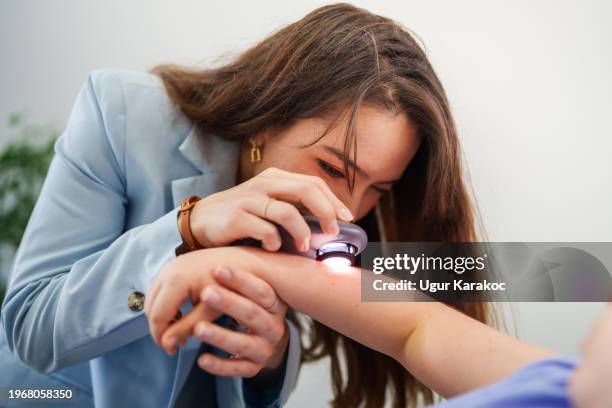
(216, 160)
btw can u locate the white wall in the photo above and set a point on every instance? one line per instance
(529, 82)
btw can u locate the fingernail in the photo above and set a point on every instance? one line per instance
(346, 215)
(305, 245)
(224, 273)
(211, 296)
(172, 341)
(205, 362)
(201, 330)
(276, 244)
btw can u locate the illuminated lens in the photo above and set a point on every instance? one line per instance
(337, 263)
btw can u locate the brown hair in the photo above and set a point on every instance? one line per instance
(341, 56)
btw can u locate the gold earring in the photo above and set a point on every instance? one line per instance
(255, 153)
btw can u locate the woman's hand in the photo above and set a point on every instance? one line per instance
(249, 209)
(177, 281)
(246, 298)
(259, 311)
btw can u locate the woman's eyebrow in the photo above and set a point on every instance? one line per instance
(342, 156)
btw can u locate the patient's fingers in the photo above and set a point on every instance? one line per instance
(182, 329)
(233, 367)
(245, 311)
(163, 307)
(241, 345)
(150, 297)
(252, 287)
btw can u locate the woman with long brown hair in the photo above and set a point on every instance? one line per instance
(339, 115)
(304, 87)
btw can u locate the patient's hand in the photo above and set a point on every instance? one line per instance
(254, 304)
(243, 296)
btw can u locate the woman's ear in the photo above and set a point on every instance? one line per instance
(258, 139)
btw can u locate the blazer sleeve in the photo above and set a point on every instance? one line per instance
(76, 267)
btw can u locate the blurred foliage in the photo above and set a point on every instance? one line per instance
(2, 290)
(23, 167)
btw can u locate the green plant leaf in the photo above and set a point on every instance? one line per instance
(23, 167)
(14, 119)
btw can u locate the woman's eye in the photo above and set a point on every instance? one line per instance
(381, 190)
(332, 171)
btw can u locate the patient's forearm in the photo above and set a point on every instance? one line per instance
(453, 353)
(334, 299)
(444, 349)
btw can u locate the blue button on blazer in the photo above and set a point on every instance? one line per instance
(102, 228)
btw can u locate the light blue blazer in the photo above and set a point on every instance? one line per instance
(102, 228)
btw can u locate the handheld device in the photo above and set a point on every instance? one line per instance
(338, 251)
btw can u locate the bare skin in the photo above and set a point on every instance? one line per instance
(589, 385)
(432, 341)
